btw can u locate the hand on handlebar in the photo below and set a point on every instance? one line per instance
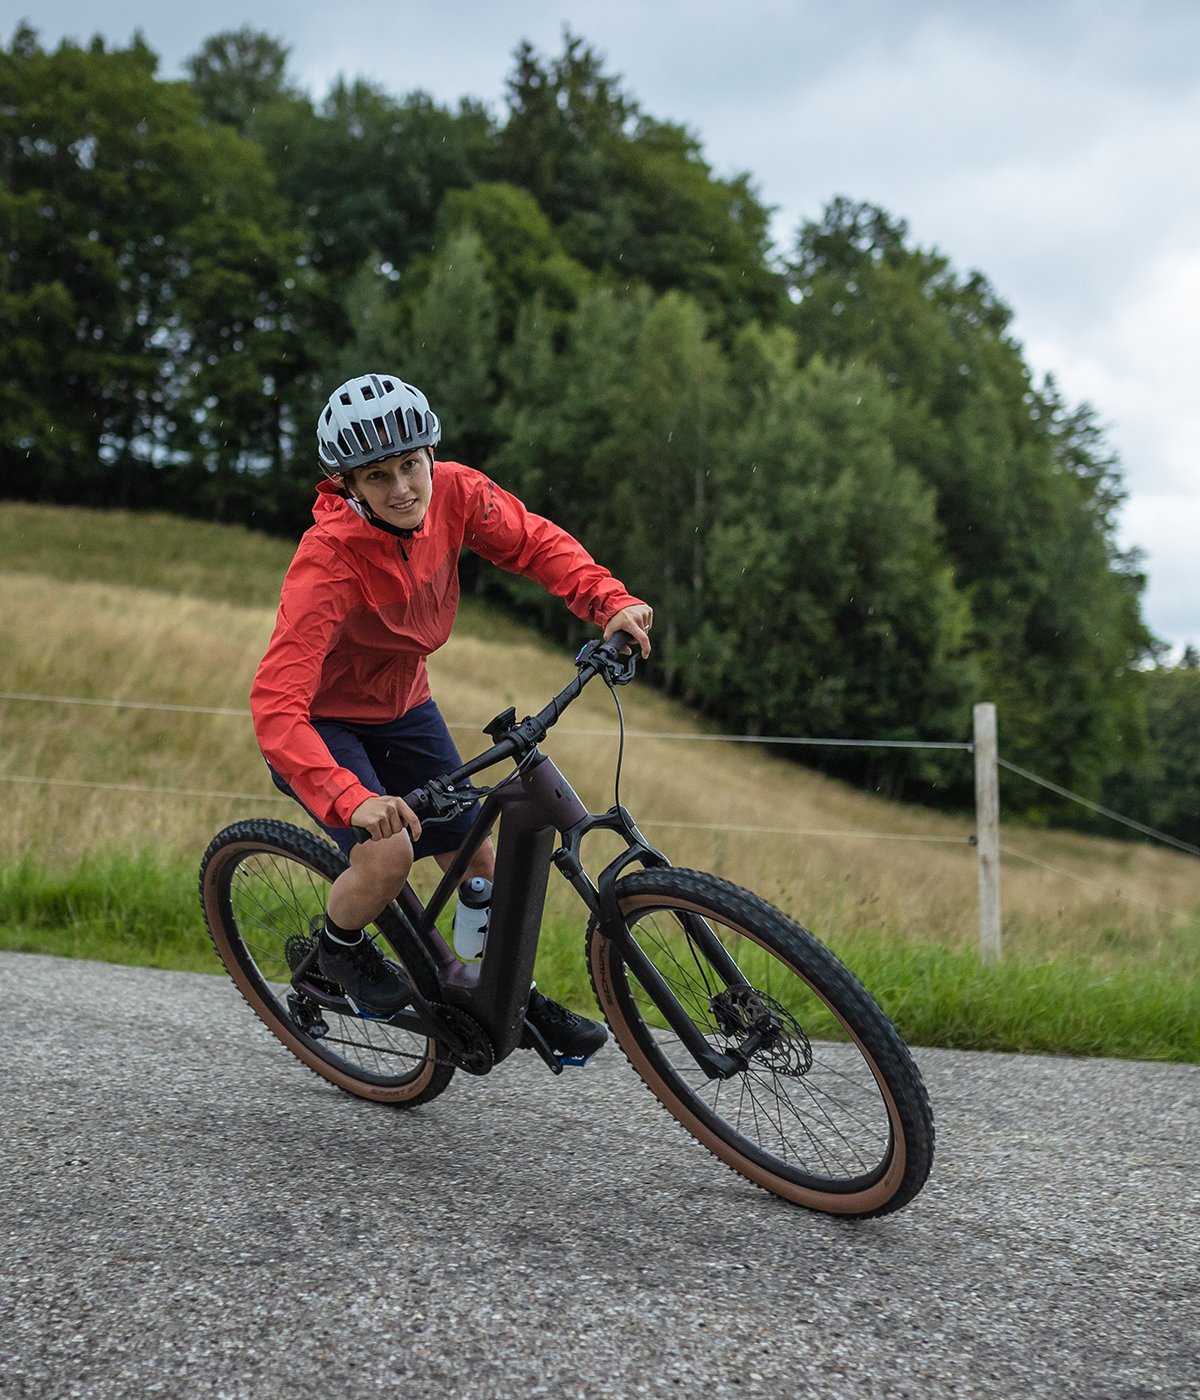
(382, 817)
(636, 620)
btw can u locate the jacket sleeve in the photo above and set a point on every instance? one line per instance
(317, 593)
(499, 528)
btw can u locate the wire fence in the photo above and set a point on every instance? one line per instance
(1096, 807)
(561, 729)
(666, 736)
(567, 730)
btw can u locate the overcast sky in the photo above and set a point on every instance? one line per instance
(1051, 144)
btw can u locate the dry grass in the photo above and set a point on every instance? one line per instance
(1120, 903)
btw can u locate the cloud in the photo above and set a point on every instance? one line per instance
(1172, 522)
(1141, 366)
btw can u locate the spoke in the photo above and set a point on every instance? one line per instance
(818, 1147)
(273, 896)
(829, 1122)
(687, 980)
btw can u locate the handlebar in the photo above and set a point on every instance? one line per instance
(596, 658)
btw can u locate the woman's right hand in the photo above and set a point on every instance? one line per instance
(386, 816)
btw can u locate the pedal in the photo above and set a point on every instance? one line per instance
(307, 1016)
(578, 1061)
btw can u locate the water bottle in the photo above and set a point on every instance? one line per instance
(471, 917)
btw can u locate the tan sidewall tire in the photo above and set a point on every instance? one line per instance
(607, 969)
(268, 1012)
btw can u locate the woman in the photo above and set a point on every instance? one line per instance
(341, 701)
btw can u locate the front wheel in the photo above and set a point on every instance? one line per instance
(830, 1111)
(263, 886)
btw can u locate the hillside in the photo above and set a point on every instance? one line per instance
(153, 609)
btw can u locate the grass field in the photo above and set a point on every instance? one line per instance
(1102, 938)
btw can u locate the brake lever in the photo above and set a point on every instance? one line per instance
(441, 801)
(616, 669)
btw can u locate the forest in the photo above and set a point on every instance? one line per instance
(855, 508)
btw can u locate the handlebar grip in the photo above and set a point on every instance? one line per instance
(416, 799)
(620, 640)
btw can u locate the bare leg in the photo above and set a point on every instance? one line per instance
(378, 870)
(483, 862)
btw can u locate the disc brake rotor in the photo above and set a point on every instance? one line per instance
(744, 1011)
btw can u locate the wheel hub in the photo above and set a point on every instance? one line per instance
(743, 1012)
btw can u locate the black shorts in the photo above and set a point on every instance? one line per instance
(393, 759)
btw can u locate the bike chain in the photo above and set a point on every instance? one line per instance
(481, 1054)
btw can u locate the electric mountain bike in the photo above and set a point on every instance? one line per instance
(747, 1029)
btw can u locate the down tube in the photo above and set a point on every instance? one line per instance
(534, 808)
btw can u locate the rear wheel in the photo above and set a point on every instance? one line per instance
(263, 886)
(830, 1111)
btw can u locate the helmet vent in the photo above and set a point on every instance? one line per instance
(372, 417)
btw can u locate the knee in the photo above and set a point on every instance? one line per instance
(384, 863)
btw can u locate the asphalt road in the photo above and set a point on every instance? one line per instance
(188, 1211)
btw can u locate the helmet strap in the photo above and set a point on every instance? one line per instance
(361, 508)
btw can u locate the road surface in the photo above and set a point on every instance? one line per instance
(189, 1211)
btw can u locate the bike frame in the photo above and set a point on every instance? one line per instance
(532, 809)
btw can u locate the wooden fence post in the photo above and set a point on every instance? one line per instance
(987, 831)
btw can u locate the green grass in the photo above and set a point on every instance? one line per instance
(167, 553)
(135, 910)
(946, 997)
(138, 910)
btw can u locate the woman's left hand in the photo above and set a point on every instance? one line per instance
(636, 620)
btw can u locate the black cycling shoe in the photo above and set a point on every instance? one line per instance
(564, 1031)
(370, 982)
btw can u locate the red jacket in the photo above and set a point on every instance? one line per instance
(361, 609)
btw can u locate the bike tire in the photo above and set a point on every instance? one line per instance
(263, 883)
(850, 1133)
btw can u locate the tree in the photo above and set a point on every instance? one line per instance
(672, 432)
(365, 173)
(832, 609)
(1025, 489)
(1159, 783)
(525, 259)
(632, 196)
(238, 72)
(152, 259)
(566, 389)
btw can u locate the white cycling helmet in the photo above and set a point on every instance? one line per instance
(372, 417)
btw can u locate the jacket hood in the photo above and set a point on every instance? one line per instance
(331, 496)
